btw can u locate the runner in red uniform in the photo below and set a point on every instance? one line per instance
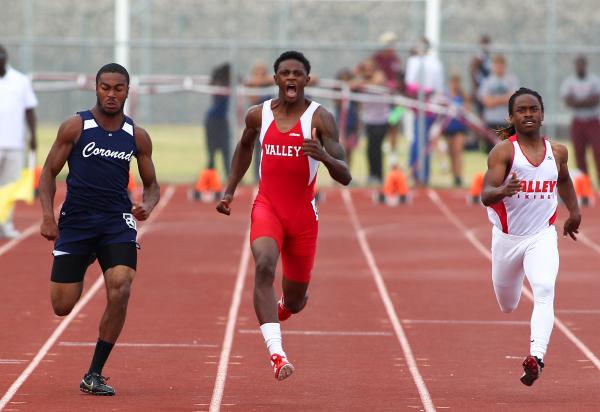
(295, 135)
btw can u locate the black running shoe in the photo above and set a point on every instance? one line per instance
(532, 367)
(95, 384)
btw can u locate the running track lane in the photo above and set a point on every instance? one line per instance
(468, 352)
(453, 372)
(572, 362)
(346, 354)
(174, 326)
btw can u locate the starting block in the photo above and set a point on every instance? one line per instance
(583, 188)
(474, 196)
(395, 189)
(208, 187)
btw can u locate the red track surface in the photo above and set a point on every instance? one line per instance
(347, 354)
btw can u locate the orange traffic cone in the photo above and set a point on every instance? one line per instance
(476, 189)
(37, 172)
(395, 188)
(583, 189)
(395, 183)
(208, 186)
(132, 184)
(132, 187)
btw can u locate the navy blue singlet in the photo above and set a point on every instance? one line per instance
(99, 167)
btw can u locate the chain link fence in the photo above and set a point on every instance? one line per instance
(185, 37)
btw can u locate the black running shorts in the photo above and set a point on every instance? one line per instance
(70, 268)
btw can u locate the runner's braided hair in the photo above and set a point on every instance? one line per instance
(505, 132)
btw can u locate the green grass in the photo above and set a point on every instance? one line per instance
(179, 155)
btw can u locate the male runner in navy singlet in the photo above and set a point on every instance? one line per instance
(97, 219)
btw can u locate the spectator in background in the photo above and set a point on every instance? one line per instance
(17, 107)
(259, 77)
(424, 73)
(374, 116)
(481, 67)
(494, 93)
(348, 121)
(390, 64)
(581, 93)
(456, 128)
(215, 123)
(387, 60)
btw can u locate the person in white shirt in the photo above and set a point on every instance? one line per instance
(494, 92)
(424, 73)
(581, 92)
(17, 104)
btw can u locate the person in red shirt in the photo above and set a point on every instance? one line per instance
(296, 134)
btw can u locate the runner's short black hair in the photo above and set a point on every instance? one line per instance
(292, 55)
(521, 92)
(113, 68)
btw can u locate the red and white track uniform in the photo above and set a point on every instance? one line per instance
(534, 207)
(524, 242)
(285, 208)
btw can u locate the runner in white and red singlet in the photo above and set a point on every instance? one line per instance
(525, 174)
(295, 135)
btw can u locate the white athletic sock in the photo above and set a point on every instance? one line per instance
(272, 334)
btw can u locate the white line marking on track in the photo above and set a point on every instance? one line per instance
(465, 322)
(321, 332)
(24, 235)
(434, 197)
(387, 303)
(142, 345)
(219, 388)
(169, 192)
(579, 311)
(588, 242)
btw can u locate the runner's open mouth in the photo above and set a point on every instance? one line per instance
(291, 90)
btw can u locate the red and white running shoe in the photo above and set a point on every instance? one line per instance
(532, 368)
(281, 366)
(282, 312)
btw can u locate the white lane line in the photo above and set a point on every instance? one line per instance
(465, 322)
(219, 388)
(169, 192)
(434, 197)
(142, 345)
(387, 303)
(24, 235)
(588, 242)
(321, 332)
(579, 311)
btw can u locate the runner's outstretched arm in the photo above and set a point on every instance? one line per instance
(494, 190)
(242, 157)
(148, 174)
(67, 136)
